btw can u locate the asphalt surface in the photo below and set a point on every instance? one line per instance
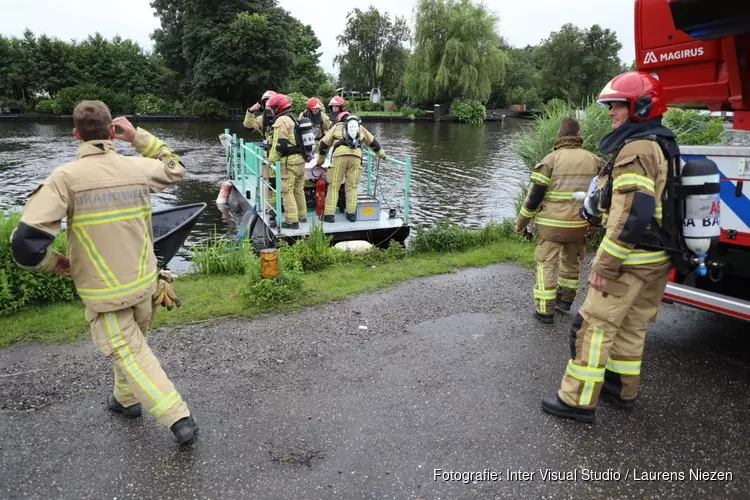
(448, 375)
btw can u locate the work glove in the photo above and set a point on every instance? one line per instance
(165, 295)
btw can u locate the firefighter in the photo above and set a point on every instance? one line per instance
(337, 104)
(262, 125)
(627, 281)
(346, 139)
(106, 200)
(320, 121)
(566, 170)
(286, 149)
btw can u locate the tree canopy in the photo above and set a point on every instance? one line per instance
(457, 52)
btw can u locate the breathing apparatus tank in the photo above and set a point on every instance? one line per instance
(308, 134)
(351, 129)
(701, 223)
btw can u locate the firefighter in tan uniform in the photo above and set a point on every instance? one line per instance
(550, 203)
(285, 149)
(320, 122)
(627, 281)
(106, 200)
(346, 138)
(261, 124)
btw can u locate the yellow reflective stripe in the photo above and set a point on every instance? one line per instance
(549, 294)
(595, 352)
(119, 291)
(633, 180)
(166, 404)
(540, 292)
(131, 366)
(559, 195)
(122, 385)
(561, 223)
(112, 216)
(153, 146)
(615, 250)
(584, 373)
(624, 367)
(646, 258)
(605, 218)
(658, 214)
(539, 178)
(101, 267)
(567, 283)
(527, 213)
(143, 261)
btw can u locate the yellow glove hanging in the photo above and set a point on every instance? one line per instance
(165, 294)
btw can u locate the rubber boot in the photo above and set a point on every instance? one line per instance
(329, 218)
(613, 396)
(287, 225)
(351, 217)
(185, 430)
(544, 318)
(133, 411)
(563, 306)
(556, 406)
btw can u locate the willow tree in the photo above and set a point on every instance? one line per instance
(457, 52)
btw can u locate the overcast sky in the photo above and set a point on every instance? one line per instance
(522, 22)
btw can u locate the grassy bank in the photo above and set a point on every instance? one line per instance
(224, 285)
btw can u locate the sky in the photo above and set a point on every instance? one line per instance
(522, 22)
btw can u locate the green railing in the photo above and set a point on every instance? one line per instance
(245, 160)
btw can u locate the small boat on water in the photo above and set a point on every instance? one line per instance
(248, 190)
(172, 227)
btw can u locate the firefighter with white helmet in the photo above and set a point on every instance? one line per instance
(627, 281)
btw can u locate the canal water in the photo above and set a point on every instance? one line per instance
(466, 174)
(469, 175)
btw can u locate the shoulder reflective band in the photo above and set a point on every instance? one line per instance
(638, 180)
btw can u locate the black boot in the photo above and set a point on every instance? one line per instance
(562, 305)
(544, 318)
(329, 218)
(287, 225)
(185, 430)
(303, 221)
(133, 411)
(351, 217)
(612, 395)
(557, 407)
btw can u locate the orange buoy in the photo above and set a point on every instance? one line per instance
(269, 264)
(223, 198)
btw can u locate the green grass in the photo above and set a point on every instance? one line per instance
(213, 298)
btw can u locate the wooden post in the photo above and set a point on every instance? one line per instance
(269, 264)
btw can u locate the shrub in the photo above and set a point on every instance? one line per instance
(371, 106)
(448, 237)
(469, 111)
(311, 253)
(695, 128)
(259, 292)
(412, 112)
(222, 256)
(20, 288)
(14, 105)
(299, 101)
(211, 109)
(46, 106)
(121, 103)
(325, 91)
(69, 97)
(149, 104)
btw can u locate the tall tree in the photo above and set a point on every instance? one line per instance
(576, 63)
(457, 52)
(373, 44)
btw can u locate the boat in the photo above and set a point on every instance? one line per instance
(171, 228)
(377, 222)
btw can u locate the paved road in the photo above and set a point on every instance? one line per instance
(447, 375)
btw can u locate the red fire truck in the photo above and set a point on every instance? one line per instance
(700, 52)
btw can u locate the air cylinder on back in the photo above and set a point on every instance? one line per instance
(701, 226)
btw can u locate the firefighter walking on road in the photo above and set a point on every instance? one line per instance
(106, 199)
(550, 202)
(627, 281)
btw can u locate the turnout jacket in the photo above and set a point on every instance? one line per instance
(639, 174)
(549, 202)
(106, 200)
(284, 141)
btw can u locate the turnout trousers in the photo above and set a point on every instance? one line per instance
(293, 191)
(139, 378)
(558, 266)
(343, 167)
(606, 341)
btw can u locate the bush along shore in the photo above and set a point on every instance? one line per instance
(224, 280)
